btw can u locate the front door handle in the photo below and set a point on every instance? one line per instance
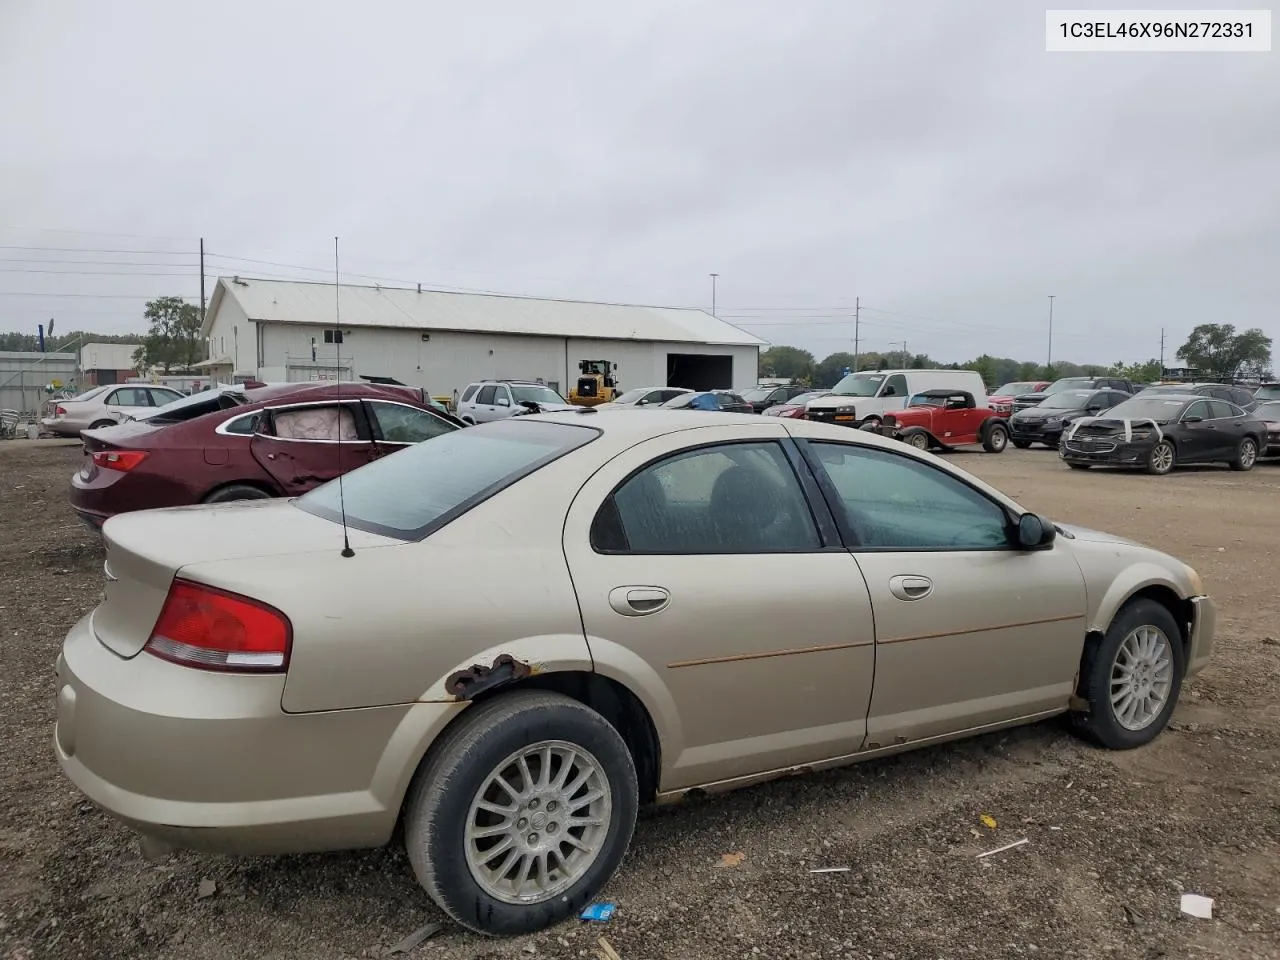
(910, 587)
(638, 601)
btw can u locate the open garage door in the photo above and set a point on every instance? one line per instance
(700, 371)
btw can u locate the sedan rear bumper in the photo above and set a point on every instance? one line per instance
(210, 761)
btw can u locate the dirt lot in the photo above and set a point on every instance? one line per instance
(1113, 837)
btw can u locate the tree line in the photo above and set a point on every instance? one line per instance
(1216, 350)
(172, 341)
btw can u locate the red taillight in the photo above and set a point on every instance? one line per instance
(211, 629)
(122, 460)
(59, 411)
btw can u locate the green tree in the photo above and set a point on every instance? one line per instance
(790, 362)
(831, 369)
(173, 338)
(1217, 350)
(1148, 371)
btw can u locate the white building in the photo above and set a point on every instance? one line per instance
(285, 330)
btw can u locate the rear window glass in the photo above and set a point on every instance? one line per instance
(423, 487)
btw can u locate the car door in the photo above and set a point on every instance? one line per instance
(304, 445)
(701, 556)
(503, 405)
(484, 408)
(961, 419)
(126, 401)
(970, 630)
(395, 426)
(1228, 422)
(1201, 439)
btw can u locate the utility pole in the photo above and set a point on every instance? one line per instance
(857, 329)
(1049, 360)
(1162, 353)
(713, 293)
(210, 343)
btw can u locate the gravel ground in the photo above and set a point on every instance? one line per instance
(1113, 838)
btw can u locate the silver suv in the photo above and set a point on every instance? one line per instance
(497, 399)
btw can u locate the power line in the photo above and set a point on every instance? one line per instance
(170, 253)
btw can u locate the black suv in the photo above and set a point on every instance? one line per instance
(762, 398)
(1027, 400)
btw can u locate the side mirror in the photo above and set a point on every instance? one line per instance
(1093, 410)
(504, 402)
(1192, 419)
(1034, 532)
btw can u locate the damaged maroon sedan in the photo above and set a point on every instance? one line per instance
(251, 444)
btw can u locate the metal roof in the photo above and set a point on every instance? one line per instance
(108, 356)
(289, 301)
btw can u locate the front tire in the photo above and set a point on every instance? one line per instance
(919, 440)
(1162, 459)
(1246, 455)
(996, 438)
(522, 812)
(1133, 678)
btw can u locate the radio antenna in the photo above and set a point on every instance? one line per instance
(337, 347)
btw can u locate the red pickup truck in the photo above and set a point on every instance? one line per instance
(946, 419)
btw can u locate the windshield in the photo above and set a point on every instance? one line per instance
(88, 394)
(536, 394)
(1268, 411)
(423, 487)
(1170, 388)
(925, 400)
(631, 396)
(1071, 383)
(1146, 408)
(806, 397)
(859, 385)
(1067, 400)
(1013, 389)
(759, 393)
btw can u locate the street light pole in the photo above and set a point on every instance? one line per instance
(1049, 361)
(713, 293)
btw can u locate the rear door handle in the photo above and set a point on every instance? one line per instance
(638, 601)
(907, 587)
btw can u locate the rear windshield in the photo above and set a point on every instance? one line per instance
(89, 394)
(423, 487)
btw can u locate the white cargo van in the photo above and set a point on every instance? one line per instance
(869, 395)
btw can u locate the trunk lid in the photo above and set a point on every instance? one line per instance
(148, 548)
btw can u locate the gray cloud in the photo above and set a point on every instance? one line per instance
(929, 157)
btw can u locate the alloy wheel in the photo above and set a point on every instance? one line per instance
(538, 822)
(1141, 678)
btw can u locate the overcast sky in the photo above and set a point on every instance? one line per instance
(930, 158)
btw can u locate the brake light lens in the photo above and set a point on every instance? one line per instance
(59, 411)
(122, 460)
(211, 629)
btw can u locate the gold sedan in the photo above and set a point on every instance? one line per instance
(509, 637)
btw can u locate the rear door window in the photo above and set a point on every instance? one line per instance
(1220, 410)
(319, 423)
(130, 397)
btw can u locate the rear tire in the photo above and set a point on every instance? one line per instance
(996, 438)
(102, 424)
(237, 491)
(1140, 655)
(459, 773)
(1162, 459)
(1246, 455)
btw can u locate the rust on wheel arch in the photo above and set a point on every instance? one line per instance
(476, 679)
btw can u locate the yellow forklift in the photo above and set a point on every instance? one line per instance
(598, 383)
